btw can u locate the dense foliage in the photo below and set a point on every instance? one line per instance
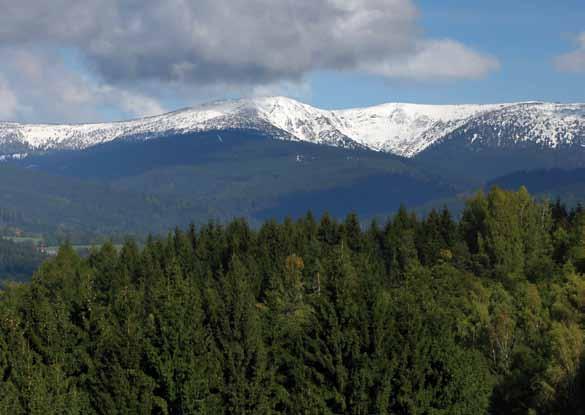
(432, 316)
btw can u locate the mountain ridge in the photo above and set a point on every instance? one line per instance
(402, 129)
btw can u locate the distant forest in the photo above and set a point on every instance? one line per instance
(484, 314)
(18, 261)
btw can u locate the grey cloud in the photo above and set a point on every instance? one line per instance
(56, 20)
(223, 41)
(249, 41)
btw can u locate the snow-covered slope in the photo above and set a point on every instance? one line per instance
(407, 129)
(548, 125)
(403, 129)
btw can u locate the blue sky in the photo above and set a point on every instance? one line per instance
(102, 60)
(524, 35)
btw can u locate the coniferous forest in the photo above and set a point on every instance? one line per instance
(479, 314)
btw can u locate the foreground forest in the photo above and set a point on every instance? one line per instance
(415, 316)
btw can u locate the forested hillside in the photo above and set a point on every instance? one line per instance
(136, 188)
(314, 316)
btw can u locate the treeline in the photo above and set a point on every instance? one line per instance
(415, 316)
(18, 261)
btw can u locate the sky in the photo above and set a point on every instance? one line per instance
(105, 60)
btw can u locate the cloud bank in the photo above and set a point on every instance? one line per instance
(131, 46)
(37, 85)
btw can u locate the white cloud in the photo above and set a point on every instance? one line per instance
(573, 61)
(49, 90)
(129, 102)
(436, 60)
(8, 101)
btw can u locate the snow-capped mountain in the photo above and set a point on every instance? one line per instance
(544, 124)
(402, 129)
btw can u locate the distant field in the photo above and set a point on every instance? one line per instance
(53, 250)
(24, 239)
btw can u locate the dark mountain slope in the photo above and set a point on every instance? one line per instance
(467, 161)
(150, 185)
(47, 203)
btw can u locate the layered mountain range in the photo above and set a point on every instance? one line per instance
(276, 157)
(400, 129)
